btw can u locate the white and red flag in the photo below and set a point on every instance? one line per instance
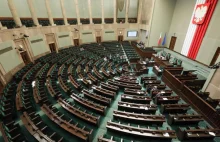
(159, 40)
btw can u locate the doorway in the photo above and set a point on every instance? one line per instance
(172, 42)
(52, 47)
(98, 39)
(25, 57)
(144, 36)
(120, 38)
(215, 57)
(76, 42)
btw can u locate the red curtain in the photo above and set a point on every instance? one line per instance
(201, 30)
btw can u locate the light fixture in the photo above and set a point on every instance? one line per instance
(20, 48)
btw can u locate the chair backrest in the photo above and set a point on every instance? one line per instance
(174, 60)
(179, 62)
(164, 54)
(161, 68)
(168, 56)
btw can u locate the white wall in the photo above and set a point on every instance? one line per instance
(56, 8)
(180, 22)
(64, 41)
(109, 36)
(121, 14)
(96, 8)
(161, 20)
(83, 8)
(9, 60)
(211, 41)
(108, 8)
(40, 8)
(87, 38)
(38, 47)
(22, 8)
(147, 8)
(70, 8)
(4, 9)
(133, 9)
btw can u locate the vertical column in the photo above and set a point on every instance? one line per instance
(63, 12)
(90, 11)
(115, 11)
(77, 11)
(139, 11)
(33, 13)
(49, 12)
(127, 10)
(103, 17)
(14, 13)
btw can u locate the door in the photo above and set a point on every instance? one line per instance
(120, 38)
(215, 57)
(25, 57)
(76, 42)
(98, 39)
(144, 36)
(52, 47)
(172, 42)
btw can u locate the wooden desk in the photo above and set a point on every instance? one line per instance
(148, 78)
(148, 82)
(166, 100)
(97, 98)
(174, 108)
(109, 87)
(134, 92)
(139, 108)
(79, 113)
(198, 134)
(103, 92)
(141, 132)
(73, 129)
(184, 119)
(139, 118)
(88, 104)
(209, 113)
(124, 85)
(135, 99)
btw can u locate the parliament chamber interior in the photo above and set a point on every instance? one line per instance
(109, 71)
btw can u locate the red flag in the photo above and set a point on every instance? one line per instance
(159, 41)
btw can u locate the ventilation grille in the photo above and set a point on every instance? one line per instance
(62, 36)
(87, 33)
(38, 40)
(5, 50)
(109, 32)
